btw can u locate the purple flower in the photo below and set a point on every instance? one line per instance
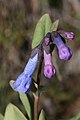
(63, 51)
(49, 69)
(23, 82)
(67, 35)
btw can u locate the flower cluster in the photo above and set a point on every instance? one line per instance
(57, 38)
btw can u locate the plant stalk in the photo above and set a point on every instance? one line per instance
(37, 95)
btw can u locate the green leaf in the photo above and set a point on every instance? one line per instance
(42, 28)
(11, 83)
(13, 113)
(55, 25)
(1, 117)
(26, 102)
(77, 117)
(42, 115)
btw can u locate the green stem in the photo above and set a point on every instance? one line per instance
(37, 95)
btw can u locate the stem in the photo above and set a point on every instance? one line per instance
(36, 101)
(37, 94)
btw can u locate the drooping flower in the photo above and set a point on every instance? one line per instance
(63, 51)
(49, 69)
(23, 82)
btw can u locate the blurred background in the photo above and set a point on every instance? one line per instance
(18, 19)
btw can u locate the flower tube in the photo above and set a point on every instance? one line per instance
(23, 82)
(49, 69)
(63, 51)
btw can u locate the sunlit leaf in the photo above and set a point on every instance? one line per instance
(13, 113)
(42, 115)
(11, 83)
(1, 117)
(26, 102)
(55, 25)
(42, 28)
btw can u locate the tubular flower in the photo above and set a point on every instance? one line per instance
(49, 69)
(23, 82)
(63, 51)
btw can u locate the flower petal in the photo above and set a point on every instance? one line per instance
(49, 71)
(63, 51)
(31, 65)
(47, 58)
(22, 84)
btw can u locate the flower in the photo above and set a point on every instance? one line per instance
(23, 82)
(63, 51)
(49, 69)
(67, 35)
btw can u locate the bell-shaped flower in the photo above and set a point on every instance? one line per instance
(23, 82)
(49, 69)
(63, 51)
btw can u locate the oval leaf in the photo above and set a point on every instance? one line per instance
(55, 25)
(42, 115)
(13, 113)
(28, 107)
(1, 117)
(42, 28)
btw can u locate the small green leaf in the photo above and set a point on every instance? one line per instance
(25, 101)
(13, 113)
(42, 115)
(55, 25)
(1, 117)
(42, 28)
(11, 83)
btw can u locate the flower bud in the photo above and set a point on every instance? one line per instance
(66, 35)
(47, 39)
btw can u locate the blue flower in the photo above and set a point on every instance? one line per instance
(63, 51)
(23, 82)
